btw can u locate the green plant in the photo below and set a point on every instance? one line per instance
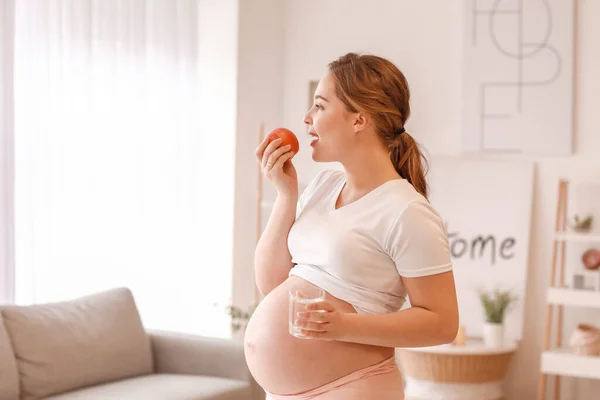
(584, 224)
(239, 317)
(495, 305)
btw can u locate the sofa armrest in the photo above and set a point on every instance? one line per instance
(180, 353)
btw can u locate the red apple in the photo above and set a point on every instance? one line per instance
(287, 137)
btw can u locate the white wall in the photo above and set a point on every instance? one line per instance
(218, 47)
(6, 155)
(260, 98)
(424, 38)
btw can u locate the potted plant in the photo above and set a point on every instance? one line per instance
(582, 225)
(239, 317)
(495, 306)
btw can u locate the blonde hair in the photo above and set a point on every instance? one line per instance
(374, 85)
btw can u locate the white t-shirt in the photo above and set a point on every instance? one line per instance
(359, 252)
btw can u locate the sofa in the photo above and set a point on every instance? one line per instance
(96, 347)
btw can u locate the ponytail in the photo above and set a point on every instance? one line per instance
(409, 162)
(376, 86)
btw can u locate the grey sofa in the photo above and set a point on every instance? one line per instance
(96, 347)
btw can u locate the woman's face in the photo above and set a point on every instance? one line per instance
(330, 124)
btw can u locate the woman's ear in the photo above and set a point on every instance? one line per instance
(360, 122)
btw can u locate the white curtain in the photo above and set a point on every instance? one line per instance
(6, 152)
(116, 167)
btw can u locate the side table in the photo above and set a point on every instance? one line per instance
(449, 372)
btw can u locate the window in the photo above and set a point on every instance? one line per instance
(124, 160)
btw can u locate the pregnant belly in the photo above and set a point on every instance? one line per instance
(284, 364)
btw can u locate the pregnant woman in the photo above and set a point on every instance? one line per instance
(366, 235)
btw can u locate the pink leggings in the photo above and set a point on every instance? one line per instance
(381, 381)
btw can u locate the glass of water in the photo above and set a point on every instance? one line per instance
(300, 297)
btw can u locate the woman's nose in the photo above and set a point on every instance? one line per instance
(308, 119)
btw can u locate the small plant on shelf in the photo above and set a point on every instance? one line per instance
(239, 317)
(582, 225)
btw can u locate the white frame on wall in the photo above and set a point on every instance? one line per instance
(518, 77)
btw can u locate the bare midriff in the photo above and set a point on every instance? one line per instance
(283, 364)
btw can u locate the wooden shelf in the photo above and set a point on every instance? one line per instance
(564, 362)
(574, 297)
(583, 181)
(577, 237)
(559, 361)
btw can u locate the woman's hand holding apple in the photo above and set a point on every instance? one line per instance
(274, 155)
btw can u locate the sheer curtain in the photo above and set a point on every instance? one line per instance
(6, 153)
(120, 180)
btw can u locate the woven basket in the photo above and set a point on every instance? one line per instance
(585, 340)
(454, 368)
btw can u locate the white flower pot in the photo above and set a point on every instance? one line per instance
(493, 334)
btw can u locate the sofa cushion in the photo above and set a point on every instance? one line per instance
(162, 387)
(73, 344)
(9, 377)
